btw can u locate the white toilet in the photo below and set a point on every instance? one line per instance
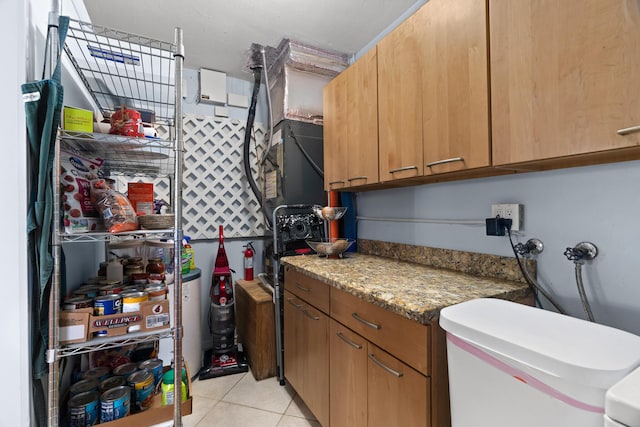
(515, 365)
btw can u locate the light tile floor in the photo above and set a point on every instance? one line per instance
(241, 401)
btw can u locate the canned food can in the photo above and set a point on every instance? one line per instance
(155, 366)
(115, 403)
(76, 303)
(141, 384)
(125, 370)
(83, 409)
(83, 386)
(100, 373)
(112, 382)
(107, 304)
(131, 301)
(156, 292)
(111, 288)
(88, 291)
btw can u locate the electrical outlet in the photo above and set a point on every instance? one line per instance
(513, 211)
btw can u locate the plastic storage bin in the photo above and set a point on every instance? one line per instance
(515, 365)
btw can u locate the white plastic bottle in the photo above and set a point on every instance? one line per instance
(114, 270)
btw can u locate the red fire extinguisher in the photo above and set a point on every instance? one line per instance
(248, 261)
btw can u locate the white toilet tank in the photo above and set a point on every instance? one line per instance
(515, 365)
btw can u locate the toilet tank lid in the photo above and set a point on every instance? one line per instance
(577, 350)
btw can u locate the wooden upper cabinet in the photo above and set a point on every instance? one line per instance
(334, 104)
(350, 103)
(400, 103)
(455, 103)
(565, 77)
(362, 120)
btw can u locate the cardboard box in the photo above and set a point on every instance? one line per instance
(140, 194)
(77, 120)
(79, 325)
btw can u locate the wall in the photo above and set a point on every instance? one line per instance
(600, 204)
(14, 399)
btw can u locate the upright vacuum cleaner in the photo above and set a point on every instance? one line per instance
(225, 357)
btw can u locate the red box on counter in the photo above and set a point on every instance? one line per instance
(140, 194)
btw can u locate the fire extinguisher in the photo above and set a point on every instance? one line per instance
(248, 261)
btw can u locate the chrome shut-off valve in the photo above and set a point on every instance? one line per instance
(531, 247)
(583, 251)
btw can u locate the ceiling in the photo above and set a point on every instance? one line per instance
(219, 33)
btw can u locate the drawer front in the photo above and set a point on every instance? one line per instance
(402, 337)
(308, 289)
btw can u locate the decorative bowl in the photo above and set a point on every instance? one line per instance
(329, 213)
(330, 247)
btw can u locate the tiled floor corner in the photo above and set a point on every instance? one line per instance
(240, 401)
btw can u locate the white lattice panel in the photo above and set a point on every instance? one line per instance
(215, 189)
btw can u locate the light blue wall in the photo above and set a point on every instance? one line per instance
(600, 204)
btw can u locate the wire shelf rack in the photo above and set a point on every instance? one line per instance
(121, 69)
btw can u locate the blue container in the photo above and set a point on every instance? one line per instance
(115, 403)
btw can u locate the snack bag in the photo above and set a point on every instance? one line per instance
(76, 173)
(114, 207)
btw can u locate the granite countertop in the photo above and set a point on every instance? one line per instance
(412, 290)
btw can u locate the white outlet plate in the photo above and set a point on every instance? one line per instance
(513, 211)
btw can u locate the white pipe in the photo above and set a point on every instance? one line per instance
(422, 220)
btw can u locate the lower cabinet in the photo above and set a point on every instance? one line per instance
(306, 354)
(369, 387)
(356, 365)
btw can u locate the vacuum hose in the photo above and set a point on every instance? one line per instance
(257, 72)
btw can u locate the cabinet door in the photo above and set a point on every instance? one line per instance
(362, 123)
(400, 103)
(455, 98)
(334, 102)
(565, 77)
(315, 388)
(397, 395)
(294, 341)
(348, 377)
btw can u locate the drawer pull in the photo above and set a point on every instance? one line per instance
(627, 131)
(336, 182)
(406, 168)
(289, 300)
(385, 367)
(356, 178)
(309, 315)
(369, 324)
(451, 160)
(348, 341)
(302, 288)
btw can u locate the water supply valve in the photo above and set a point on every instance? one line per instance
(531, 247)
(583, 251)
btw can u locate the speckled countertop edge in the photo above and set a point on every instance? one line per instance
(415, 291)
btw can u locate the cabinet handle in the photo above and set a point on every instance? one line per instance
(336, 182)
(451, 160)
(295, 305)
(311, 316)
(369, 324)
(348, 341)
(406, 168)
(627, 131)
(356, 178)
(385, 367)
(302, 288)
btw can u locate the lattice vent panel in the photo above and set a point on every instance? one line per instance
(215, 190)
